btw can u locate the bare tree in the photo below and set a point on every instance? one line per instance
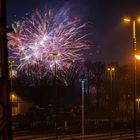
(99, 70)
(71, 74)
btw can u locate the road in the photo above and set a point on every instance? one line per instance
(118, 135)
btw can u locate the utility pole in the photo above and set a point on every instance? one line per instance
(83, 109)
(5, 124)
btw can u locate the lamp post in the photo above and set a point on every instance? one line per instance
(83, 110)
(12, 74)
(55, 55)
(134, 74)
(83, 79)
(111, 70)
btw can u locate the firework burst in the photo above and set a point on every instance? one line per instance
(45, 39)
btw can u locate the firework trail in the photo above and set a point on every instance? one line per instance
(45, 39)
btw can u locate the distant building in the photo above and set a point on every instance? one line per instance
(19, 106)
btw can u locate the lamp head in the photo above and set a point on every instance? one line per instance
(126, 20)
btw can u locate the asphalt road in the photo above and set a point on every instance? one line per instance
(117, 135)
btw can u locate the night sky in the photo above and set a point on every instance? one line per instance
(112, 39)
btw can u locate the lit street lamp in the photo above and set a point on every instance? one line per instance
(13, 96)
(134, 73)
(138, 101)
(55, 55)
(137, 56)
(111, 71)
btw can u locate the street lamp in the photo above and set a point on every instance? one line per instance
(137, 56)
(14, 98)
(83, 79)
(55, 55)
(138, 101)
(134, 72)
(111, 71)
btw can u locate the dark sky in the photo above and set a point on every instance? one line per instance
(112, 39)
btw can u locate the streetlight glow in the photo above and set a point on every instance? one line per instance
(127, 19)
(138, 19)
(13, 96)
(59, 54)
(137, 57)
(138, 103)
(138, 99)
(113, 69)
(110, 69)
(134, 73)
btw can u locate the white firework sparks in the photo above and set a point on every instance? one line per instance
(46, 39)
